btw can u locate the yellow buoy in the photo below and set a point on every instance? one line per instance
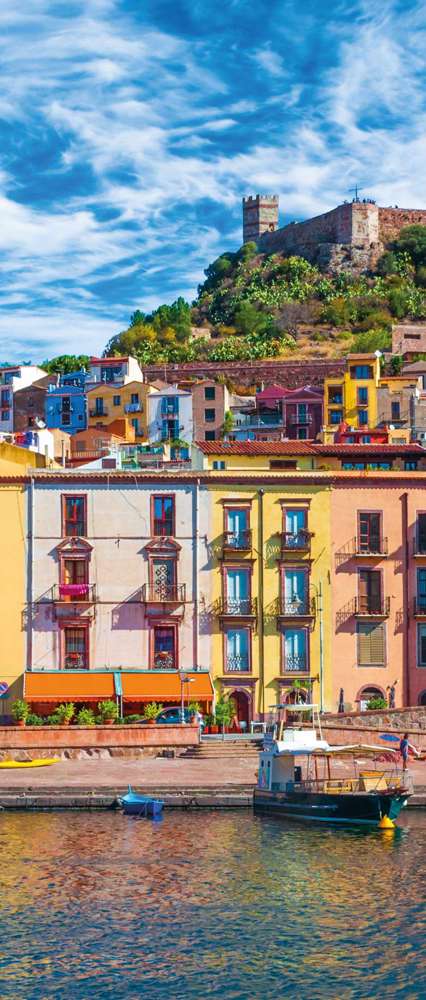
(386, 823)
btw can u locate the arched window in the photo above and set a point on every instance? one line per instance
(367, 693)
(422, 698)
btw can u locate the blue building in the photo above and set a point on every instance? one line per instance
(66, 404)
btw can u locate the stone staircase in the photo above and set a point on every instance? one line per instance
(214, 749)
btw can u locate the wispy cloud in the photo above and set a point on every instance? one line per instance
(128, 140)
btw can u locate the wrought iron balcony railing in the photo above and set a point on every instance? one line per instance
(75, 661)
(238, 607)
(373, 546)
(295, 665)
(164, 661)
(377, 607)
(296, 541)
(65, 593)
(133, 408)
(238, 541)
(420, 606)
(99, 413)
(237, 664)
(419, 545)
(163, 593)
(296, 607)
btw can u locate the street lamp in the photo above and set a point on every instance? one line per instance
(184, 679)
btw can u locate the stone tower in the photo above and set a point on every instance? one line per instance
(260, 215)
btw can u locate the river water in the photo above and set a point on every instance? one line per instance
(209, 904)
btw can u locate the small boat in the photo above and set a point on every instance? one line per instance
(39, 762)
(372, 797)
(140, 805)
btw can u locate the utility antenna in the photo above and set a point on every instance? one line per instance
(355, 191)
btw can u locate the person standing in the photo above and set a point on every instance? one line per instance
(403, 749)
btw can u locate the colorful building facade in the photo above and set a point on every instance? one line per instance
(122, 408)
(352, 398)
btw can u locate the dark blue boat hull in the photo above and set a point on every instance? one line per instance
(141, 805)
(360, 808)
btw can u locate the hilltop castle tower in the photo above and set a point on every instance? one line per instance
(260, 215)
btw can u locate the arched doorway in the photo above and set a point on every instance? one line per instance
(366, 694)
(422, 698)
(295, 697)
(242, 706)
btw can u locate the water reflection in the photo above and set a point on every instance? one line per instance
(208, 905)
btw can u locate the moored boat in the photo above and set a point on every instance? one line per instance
(37, 762)
(369, 795)
(140, 805)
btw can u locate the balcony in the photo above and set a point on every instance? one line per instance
(294, 543)
(262, 419)
(238, 608)
(164, 599)
(99, 413)
(72, 593)
(237, 541)
(237, 664)
(295, 665)
(296, 608)
(335, 399)
(133, 408)
(371, 607)
(374, 547)
(420, 607)
(301, 421)
(419, 545)
(75, 661)
(164, 661)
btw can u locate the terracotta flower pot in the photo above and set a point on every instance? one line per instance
(21, 723)
(108, 722)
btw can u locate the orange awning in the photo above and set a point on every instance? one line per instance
(163, 686)
(147, 685)
(64, 685)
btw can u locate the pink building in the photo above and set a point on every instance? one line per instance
(378, 585)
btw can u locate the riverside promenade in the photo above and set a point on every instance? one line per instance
(226, 782)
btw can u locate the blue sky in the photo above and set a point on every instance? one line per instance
(130, 130)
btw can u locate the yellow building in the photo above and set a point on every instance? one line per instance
(124, 406)
(254, 455)
(270, 587)
(352, 397)
(13, 587)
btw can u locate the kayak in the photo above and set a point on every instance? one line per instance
(41, 762)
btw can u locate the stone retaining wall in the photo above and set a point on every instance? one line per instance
(390, 718)
(94, 741)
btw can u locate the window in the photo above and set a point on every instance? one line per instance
(366, 439)
(282, 463)
(210, 436)
(237, 650)
(421, 533)
(163, 579)
(335, 395)
(372, 645)
(302, 433)
(395, 410)
(237, 522)
(163, 516)
(219, 465)
(76, 649)
(237, 592)
(353, 465)
(5, 398)
(99, 406)
(295, 599)
(66, 411)
(363, 418)
(5, 414)
(370, 591)
(295, 533)
(209, 392)
(295, 650)
(135, 424)
(362, 395)
(410, 465)
(164, 655)
(109, 373)
(75, 572)
(370, 532)
(421, 589)
(421, 645)
(74, 517)
(335, 416)
(302, 413)
(134, 398)
(116, 400)
(209, 416)
(361, 371)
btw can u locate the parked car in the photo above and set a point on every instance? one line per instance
(173, 715)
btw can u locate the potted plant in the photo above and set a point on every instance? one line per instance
(193, 708)
(85, 717)
(225, 711)
(209, 721)
(108, 712)
(20, 712)
(376, 703)
(62, 714)
(151, 711)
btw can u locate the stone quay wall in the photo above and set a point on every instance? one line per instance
(398, 719)
(32, 742)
